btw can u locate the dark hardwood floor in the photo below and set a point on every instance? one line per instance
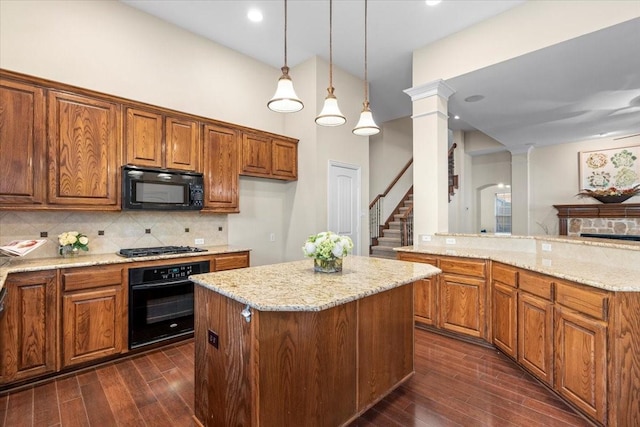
(456, 384)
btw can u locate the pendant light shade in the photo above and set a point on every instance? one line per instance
(330, 114)
(285, 99)
(366, 125)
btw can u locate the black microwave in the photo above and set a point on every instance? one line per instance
(161, 189)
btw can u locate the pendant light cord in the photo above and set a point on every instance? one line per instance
(285, 33)
(366, 86)
(330, 46)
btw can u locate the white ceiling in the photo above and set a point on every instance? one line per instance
(568, 92)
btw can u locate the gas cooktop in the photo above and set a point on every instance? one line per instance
(160, 250)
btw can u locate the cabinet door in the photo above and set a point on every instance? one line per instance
(28, 326)
(535, 336)
(256, 155)
(182, 144)
(284, 159)
(143, 138)
(462, 304)
(83, 139)
(505, 318)
(424, 301)
(581, 361)
(92, 324)
(220, 168)
(22, 143)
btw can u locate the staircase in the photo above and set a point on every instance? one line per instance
(391, 233)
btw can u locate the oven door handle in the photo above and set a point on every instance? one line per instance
(160, 285)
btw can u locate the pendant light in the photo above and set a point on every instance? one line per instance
(285, 99)
(366, 126)
(330, 114)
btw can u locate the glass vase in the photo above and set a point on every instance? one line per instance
(327, 266)
(68, 251)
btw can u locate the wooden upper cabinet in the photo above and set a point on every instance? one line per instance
(155, 140)
(84, 137)
(143, 138)
(220, 155)
(22, 143)
(256, 155)
(284, 159)
(182, 144)
(267, 157)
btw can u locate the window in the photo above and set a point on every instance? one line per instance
(503, 212)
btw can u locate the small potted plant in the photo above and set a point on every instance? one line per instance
(327, 250)
(71, 242)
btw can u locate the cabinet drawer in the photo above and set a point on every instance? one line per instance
(469, 267)
(91, 277)
(413, 257)
(536, 284)
(505, 274)
(587, 301)
(231, 261)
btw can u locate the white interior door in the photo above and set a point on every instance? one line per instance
(344, 201)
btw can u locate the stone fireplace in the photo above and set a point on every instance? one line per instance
(607, 218)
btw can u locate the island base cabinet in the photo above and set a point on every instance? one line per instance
(535, 336)
(581, 362)
(285, 368)
(28, 326)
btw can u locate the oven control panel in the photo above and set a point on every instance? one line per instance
(166, 273)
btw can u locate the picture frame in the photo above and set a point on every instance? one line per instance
(612, 167)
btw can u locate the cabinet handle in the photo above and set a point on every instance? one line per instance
(246, 313)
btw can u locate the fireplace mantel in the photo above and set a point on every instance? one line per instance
(604, 210)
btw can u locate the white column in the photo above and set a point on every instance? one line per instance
(430, 157)
(520, 191)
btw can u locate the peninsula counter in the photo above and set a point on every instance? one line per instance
(280, 345)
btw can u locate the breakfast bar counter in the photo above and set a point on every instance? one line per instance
(282, 345)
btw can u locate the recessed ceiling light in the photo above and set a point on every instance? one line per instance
(456, 117)
(254, 15)
(474, 98)
(432, 2)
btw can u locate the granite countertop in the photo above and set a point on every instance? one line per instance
(294, 286)
(613, 267)
(17, 265)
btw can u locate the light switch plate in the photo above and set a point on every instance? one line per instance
(199, 242)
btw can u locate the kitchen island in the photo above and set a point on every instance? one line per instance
(280, 345)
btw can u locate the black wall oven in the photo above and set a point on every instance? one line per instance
(161, 302)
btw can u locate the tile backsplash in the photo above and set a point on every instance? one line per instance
(120, 229)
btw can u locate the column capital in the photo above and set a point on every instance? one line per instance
(524, 149)
(437, 87)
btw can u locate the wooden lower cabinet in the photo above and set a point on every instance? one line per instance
(93, 314)
(505, 318)
(535, 336)
(581, 361)
(462, 305)
(425, 301)
(28, 342)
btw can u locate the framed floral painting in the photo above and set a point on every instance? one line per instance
(616, 167)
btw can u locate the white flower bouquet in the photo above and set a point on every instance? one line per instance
(71, 242)
(327, 249)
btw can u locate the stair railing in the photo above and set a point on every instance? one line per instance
(376, 211)
(406, 227)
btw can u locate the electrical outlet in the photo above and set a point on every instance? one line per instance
(546, 262)
(450, 241)
(212, 338)
(546, 247)
(426, 238)
(272, 237)
(199, 241)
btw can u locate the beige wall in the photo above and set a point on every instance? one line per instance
(110, 47)
(389, 152)
(523, 29)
